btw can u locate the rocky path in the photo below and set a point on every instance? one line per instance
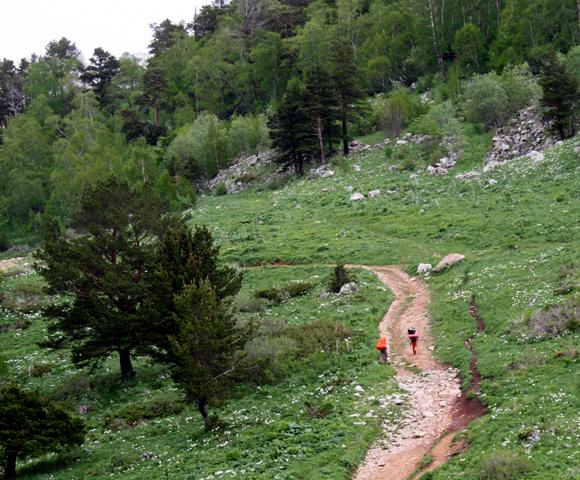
(435, 411)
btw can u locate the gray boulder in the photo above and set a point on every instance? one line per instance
(448, 261)
(536, 156)
(355, 197)
(424, 268)
(348, 288)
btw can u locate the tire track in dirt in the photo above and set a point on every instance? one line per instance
(437, 408)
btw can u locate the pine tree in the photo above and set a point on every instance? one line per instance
(182, 258)
(155, 92)
(560, 95)
(165, 35)
(31, 425)
(99, 73)
(347, 80)
(290, 128)
(11, 97)
(102, 271)
(207, 346)
(320, 101)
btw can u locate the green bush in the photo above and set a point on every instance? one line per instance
(521, 88)
(270, 355)
(485, 100)
(123, 460)
(399, 109)
(249, 305)
(134, 413)
(220, 189)
(247, 177)
(440, 120)
(290, 290)
(248, 134)
(24, 295)
(503, 465)
(200, 149)
(320, 335)
(208, 144)
(492, 99)
(41, 369)
(555, 320)
(267, 357)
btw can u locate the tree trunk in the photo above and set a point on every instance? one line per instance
(344, 122)
(320, 137)
(202, 407)
(127, 371)
(10, 465)
(299, 167)
(156, 116)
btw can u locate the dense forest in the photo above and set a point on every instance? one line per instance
(240, 76)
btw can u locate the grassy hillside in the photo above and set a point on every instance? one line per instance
(320, 409)
(520, 236)
(308, 419)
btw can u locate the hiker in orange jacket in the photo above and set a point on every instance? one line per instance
(381, 346)
(413, 337)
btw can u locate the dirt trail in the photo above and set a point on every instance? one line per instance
(437, 408)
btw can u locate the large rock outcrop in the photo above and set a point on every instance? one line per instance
(522, 135)
(245, 171)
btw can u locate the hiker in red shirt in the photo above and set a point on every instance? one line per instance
(381, 346)
(413, 337)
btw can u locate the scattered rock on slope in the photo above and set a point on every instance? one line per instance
(448, 162)
(323, 171)
(246, 170)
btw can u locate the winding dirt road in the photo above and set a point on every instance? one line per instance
(437, 409)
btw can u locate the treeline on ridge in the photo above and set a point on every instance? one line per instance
(245, 75)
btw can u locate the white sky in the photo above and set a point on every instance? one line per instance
(118, 26)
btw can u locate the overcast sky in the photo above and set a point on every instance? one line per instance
(118, 26)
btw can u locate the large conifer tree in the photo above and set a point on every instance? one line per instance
(101, 270)
(31, 425)
(182, 258)
(560, 95)
(290, 128)
(347, 80)
(207, 345)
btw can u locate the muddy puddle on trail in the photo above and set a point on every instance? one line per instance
(437, 408)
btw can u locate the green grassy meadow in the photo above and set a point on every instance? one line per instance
(142, 429)
(307, 419)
